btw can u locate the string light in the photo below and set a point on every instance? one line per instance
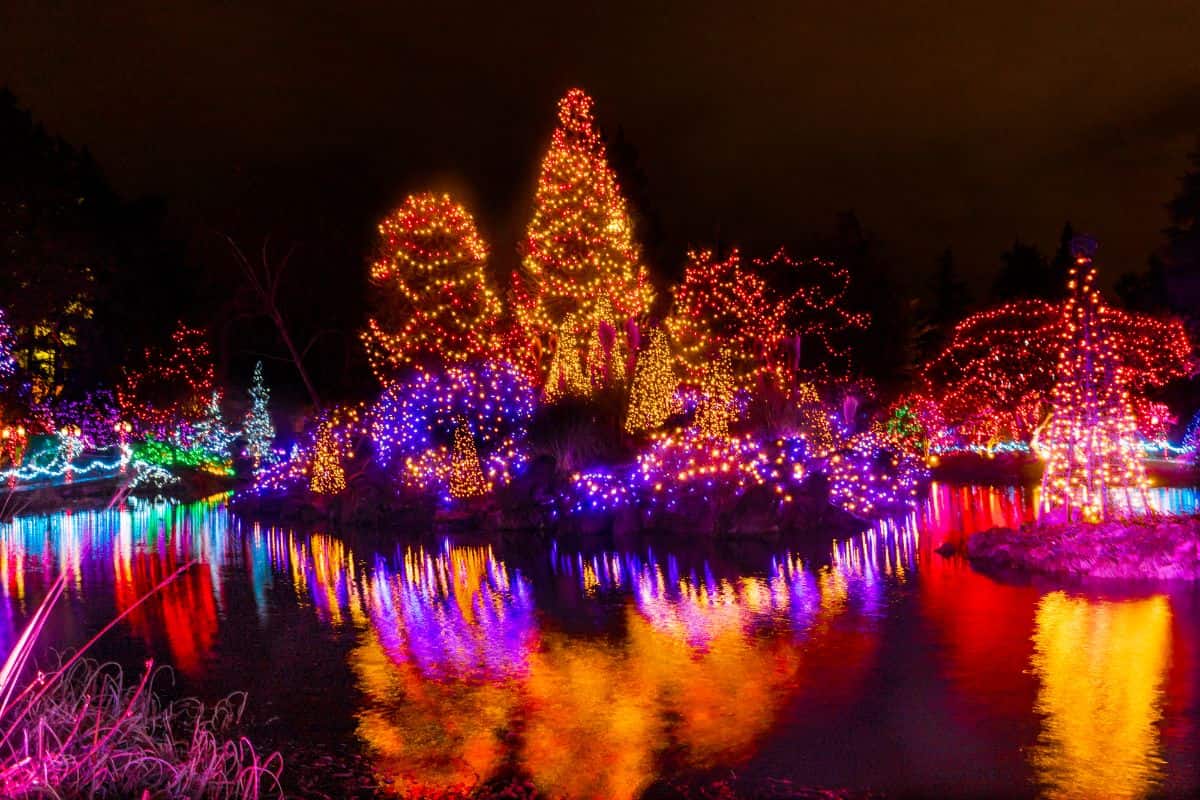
(716, 408)
(721, 306)
(433, 299)
(169, 388)
(817, 292)
(994, 378)
(326, 474)
(814, 419)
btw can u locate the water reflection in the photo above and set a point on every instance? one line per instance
(1101, 666)
(471, 662)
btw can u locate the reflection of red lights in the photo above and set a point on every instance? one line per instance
(184, 612)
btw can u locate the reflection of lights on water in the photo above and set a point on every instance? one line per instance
(457, 612)
(1101, 667)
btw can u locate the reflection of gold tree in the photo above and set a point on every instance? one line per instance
(595, 716)
(1101, 666)
(429, 734)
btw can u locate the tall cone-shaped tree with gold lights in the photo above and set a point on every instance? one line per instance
(578, 253)
(1093, 467)
(433, 300)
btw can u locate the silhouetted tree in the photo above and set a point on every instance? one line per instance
(1025, 275)
(950, 299)
(1147, 290)
(886, 348)
(87, 277)
(1183, 233)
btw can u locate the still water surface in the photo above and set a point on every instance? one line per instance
(871, 663)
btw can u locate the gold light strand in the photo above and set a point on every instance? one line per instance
(326, 475)
(716, 408)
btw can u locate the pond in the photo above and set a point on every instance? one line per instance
(608, 671)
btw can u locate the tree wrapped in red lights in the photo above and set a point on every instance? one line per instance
(579, 251)
(720, 306)
(1093, 464)
(433, 299)
(816, 292)
(168, 387)
(995, 375)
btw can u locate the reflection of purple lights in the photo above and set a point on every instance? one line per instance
(695, 605)
(456, 613)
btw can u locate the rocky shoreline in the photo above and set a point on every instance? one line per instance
(1157, 548)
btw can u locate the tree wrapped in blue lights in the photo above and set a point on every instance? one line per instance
(211, 433)
(258, 429)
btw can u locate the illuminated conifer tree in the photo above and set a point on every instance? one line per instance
(326, 474)
(721, 306)
(466, 475)
(210, 432)
(578, 251)
(433, 300)
(566, 376)
(716, 406)
(814, 420)
(653, 392)
(1093, 465)
(258, 428)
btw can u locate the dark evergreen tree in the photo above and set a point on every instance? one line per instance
(1024, 274)
(950, 300)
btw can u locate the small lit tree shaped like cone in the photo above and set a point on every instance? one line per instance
(814, 420)
(326, 475)
(466, 475)
(652, 394)
(567, 377)
(716, 408)
(1093, 466)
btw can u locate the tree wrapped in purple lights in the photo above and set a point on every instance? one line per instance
(495, 399)
(8, 363)
(414, 421)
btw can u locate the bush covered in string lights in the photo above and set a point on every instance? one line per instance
(872, 476)
(494, 399)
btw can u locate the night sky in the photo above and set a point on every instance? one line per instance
(955, 124)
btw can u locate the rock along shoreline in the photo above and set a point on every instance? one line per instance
(1157, 548)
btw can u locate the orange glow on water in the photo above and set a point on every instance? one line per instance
(1101, 667)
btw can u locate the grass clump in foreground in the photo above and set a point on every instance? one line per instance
(83, 730)
(95, 734)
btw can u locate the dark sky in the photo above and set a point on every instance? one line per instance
(959, 123)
